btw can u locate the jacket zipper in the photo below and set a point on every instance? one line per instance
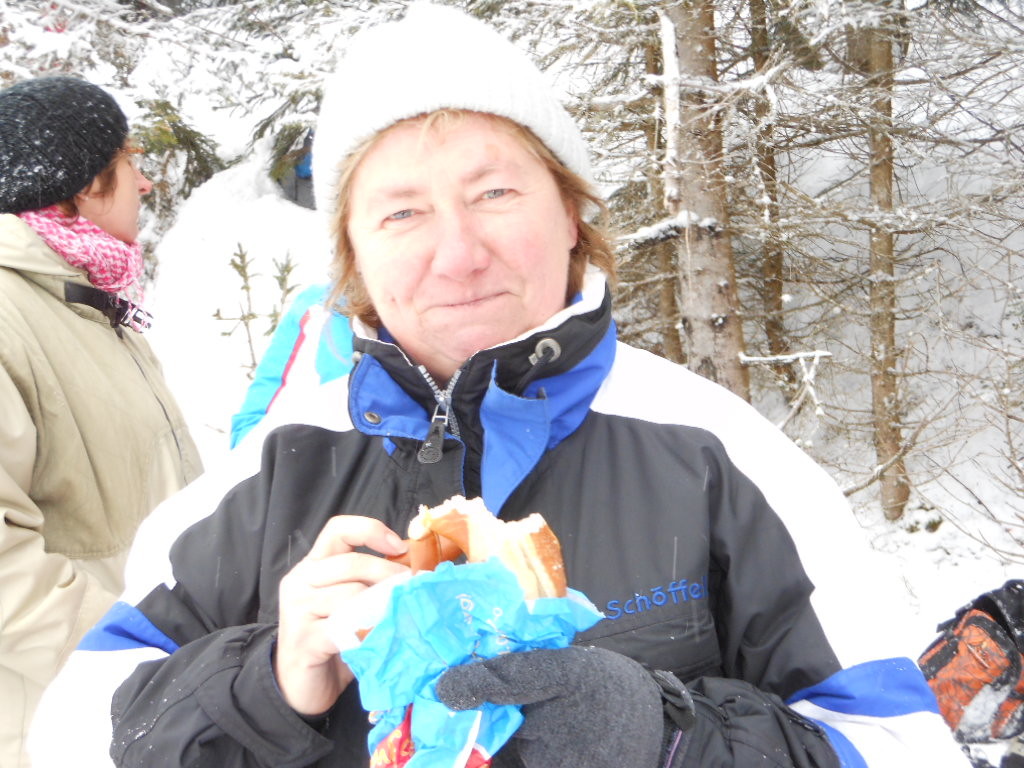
(443, 418)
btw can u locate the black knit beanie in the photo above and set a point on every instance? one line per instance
(56, 134)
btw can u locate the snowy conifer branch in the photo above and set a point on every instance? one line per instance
(665, 230)
(792, 357)
(808, 372)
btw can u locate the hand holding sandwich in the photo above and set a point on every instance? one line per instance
(309, 671)
(307, 665)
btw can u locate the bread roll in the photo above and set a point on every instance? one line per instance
(528, 547)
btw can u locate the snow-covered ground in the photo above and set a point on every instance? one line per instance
(207, 360)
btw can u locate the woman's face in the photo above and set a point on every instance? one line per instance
(461, 238)
(117, 211)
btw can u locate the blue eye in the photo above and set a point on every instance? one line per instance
(494, 194)
(398, 215)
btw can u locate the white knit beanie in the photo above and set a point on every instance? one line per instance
(435, 57)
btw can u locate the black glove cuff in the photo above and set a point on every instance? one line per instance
(676, 700)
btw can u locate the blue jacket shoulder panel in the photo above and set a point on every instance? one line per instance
(333, 355)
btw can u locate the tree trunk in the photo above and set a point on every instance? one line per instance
(772, 254)
(713, 333)
(885, 395)
(668, 307)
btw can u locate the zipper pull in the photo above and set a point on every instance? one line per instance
(433, 446)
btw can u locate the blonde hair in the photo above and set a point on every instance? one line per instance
(592, 245)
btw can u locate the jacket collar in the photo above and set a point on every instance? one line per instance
(23, 251)
(536, 389)
(518, 365)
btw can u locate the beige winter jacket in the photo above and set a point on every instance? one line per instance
(90, 441)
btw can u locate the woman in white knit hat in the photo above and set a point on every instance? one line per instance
(459, 193)
(91, 439)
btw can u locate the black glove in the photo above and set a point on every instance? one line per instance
(581, 707)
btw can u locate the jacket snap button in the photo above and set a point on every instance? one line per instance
(372, 417)
(546, 349)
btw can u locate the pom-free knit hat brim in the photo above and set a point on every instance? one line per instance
(435, 57)
(56, 134)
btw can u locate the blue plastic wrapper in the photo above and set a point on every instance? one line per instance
(438, 619)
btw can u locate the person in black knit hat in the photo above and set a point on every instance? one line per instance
(91, 438)
(58, 133)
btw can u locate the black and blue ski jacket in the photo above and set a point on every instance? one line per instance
(713, 545)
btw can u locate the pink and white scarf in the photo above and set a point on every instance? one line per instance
(112, 265)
